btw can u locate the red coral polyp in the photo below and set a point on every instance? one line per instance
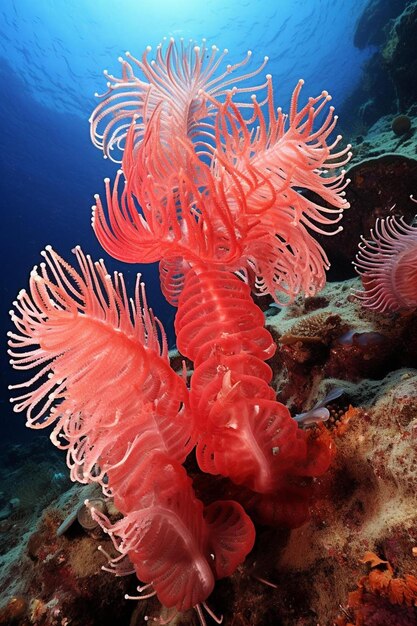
(95, 346)
(244, 432)
(176, 544)
(241, 204)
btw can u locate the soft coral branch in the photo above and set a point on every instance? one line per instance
(244, 433)
(274, 164)
(123, 416)
(212, 196)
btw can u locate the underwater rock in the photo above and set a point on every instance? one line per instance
(373, 97)
(401, 125)
(54, 578)
(380, 140)
(385, 87)
(357, 355)
(371, 25)
(304, 348)
(60, 581)
(342, 341)
(379, 187)
(85, 519)
(399, 53)
(13, 611)
(81, 513)
(8, 509)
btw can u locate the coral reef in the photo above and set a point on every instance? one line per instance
(348, 343)
(365, 502)
(220, 229)
(382, 598)
(368, 501)
(371, 504)
(202, 456)
(45, 579)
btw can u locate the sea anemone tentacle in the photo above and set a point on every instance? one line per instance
(387, 264)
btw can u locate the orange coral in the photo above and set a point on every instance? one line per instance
(351, 413)
(381, 595)
(398, 590)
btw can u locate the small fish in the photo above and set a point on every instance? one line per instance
(319, 412)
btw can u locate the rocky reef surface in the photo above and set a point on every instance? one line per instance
(386, 87)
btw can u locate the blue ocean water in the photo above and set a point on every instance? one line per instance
(52, 53)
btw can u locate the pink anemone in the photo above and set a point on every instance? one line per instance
(387, 264)
(247, 210)
(174, 82)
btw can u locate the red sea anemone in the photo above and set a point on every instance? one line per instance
(122, 414)
(215, 186)
(220, 200)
